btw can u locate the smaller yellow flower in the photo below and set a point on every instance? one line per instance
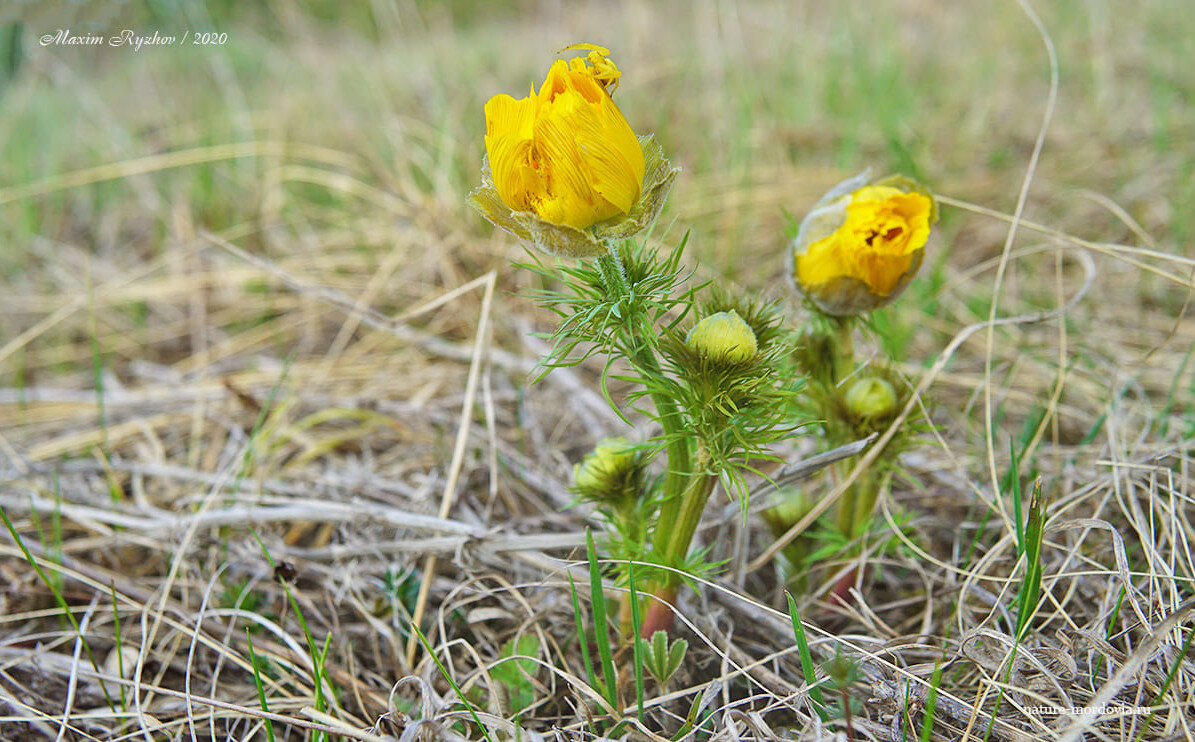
(563, 169)
(723, 337)
(862, 243)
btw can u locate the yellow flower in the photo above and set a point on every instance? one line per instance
(860, 245)
(723, 337)
(564, 169)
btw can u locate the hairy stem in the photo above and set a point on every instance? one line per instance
(642, 357)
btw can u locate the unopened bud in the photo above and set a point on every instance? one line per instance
(609, 473)
(870, 398)
(723, 337)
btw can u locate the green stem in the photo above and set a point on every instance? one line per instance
(856, 504)
(677, 535)
(686, 487)
(843, 347)
(644, 360)
(865, 501)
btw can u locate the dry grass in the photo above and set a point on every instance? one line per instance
(255, 326)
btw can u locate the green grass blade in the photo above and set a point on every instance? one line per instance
(695, 719)
(581, 638)
(261, 689)
(58, 598)
(318, 677)
(1014, 483)
(690, 719)
(1099, 661)
(116, 635)
(637, 641)
(601, 633)
(1030, 593)
(815, 691)
(53, 548)
(931, 703)
(1174, 668)
(460, 696)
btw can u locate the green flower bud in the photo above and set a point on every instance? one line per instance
(610, 473)
(870, 398)
(723, 337)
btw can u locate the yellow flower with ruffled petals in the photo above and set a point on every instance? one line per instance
(565, 153)
(862, 243)
(563, 168)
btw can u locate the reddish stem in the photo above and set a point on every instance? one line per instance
(659, 616)
(840, 593)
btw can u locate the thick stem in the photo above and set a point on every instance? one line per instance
(865, 499)
(858, 503)
(685, 491)
(842, 364)
(677, 535)
(659, 615)
(674, 538)
(844, 516)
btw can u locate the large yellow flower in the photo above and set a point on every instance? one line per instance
(563, 167)
(565, 153)
(860, 245)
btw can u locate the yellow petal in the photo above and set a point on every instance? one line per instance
(508, 141)
(821, 263)
(615, 157)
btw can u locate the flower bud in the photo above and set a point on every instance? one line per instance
(610, 473)
(723, 337)
(861, 243)
(870, 398)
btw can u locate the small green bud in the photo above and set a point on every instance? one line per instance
(870, 398)
(723, 337)
(609, 473)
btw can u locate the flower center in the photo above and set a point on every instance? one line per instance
(889, 235)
